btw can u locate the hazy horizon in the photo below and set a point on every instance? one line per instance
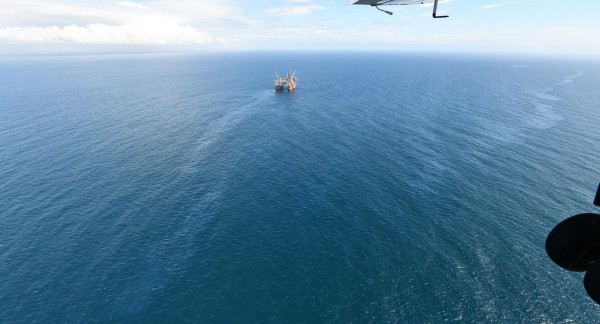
(520, 26)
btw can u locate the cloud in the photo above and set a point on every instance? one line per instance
(149, 32)
(496, 5)
(131, 4)
(295, 11)
(4, 11)
(118, 22)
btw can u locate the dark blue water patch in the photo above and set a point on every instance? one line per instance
(388, 187)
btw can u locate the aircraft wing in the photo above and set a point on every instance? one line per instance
(377, 3)
(390, 2)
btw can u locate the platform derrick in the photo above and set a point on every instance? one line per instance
(285, 83)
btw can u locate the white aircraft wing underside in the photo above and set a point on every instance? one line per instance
(390, 2)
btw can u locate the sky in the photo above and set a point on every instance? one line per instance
(519, 26)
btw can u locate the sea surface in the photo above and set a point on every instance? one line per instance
(388, 188)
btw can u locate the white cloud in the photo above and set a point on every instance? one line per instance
(148, 32)
(295, 11)
(131, 4)
(496, 5)
(4, 11)
(118, 22)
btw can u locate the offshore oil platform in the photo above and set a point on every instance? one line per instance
(289, 82)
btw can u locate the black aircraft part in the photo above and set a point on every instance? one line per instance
(597, 199)
(591, 281)
(574, 244)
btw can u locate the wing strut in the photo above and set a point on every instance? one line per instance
(387, 12)
(435, 10)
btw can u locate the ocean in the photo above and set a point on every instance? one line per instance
(388, 188)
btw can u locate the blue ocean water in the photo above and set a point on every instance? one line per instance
(388, 187)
